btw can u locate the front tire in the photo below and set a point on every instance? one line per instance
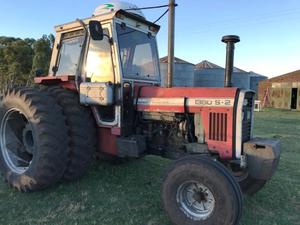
(198, 191)
(33, 139)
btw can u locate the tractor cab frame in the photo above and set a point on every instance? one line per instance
(107, 68)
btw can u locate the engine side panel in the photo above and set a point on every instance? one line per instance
(216, 107)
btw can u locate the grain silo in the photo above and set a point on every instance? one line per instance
(208, 74)
(184, 72)
(282, 92)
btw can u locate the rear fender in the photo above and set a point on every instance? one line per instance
(65, 81)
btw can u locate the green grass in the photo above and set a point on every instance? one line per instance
(128, 193)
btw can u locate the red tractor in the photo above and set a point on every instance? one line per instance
(103, 95)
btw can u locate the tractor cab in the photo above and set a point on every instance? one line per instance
(104, 55)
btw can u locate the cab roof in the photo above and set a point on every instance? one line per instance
(103, 18)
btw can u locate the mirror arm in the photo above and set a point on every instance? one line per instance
(110, 40)
(80, 61)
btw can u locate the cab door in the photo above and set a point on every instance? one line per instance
(99, 68)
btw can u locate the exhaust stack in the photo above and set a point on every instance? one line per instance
(171, 40)
(230, 40)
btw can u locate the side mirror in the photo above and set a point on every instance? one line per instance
(96, 30)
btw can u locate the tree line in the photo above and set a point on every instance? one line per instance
(21, 58)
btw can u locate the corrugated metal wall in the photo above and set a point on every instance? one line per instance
(215, 78)
(241, 80)
(189, 75)
(209, 78)
(183, 77)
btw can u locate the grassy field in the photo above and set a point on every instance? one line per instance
(128, 194)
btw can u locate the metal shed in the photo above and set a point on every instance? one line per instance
(184, 72)
(282, 92)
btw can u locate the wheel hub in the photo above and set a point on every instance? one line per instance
(28, 139)
(200, 196)
(16, 141)
(195, 200)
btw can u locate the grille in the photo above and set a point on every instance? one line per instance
(218, 126)
(247, 118)
(246, 130)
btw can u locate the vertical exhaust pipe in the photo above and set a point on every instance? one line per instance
(230, 41)
(171, 40)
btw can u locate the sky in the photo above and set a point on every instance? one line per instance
(269, 29)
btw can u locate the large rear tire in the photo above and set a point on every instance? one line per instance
(33, 139)
(81, 130)
(198, 191)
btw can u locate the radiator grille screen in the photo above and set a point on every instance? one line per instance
(218, 126)
(247, 117)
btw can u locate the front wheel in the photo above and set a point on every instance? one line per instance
(197, 191)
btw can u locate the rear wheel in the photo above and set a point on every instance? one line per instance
(81, 130)
(33, 139)
(197, 190)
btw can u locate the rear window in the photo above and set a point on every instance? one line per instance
(70, 53)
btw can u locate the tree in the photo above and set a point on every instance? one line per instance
(16, 62)
(4, 41)
(19, 59)
(42, 54)
(52, 40)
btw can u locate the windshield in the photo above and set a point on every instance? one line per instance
(138, 54)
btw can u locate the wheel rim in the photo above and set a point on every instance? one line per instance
(17, 141)
(195, 200)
